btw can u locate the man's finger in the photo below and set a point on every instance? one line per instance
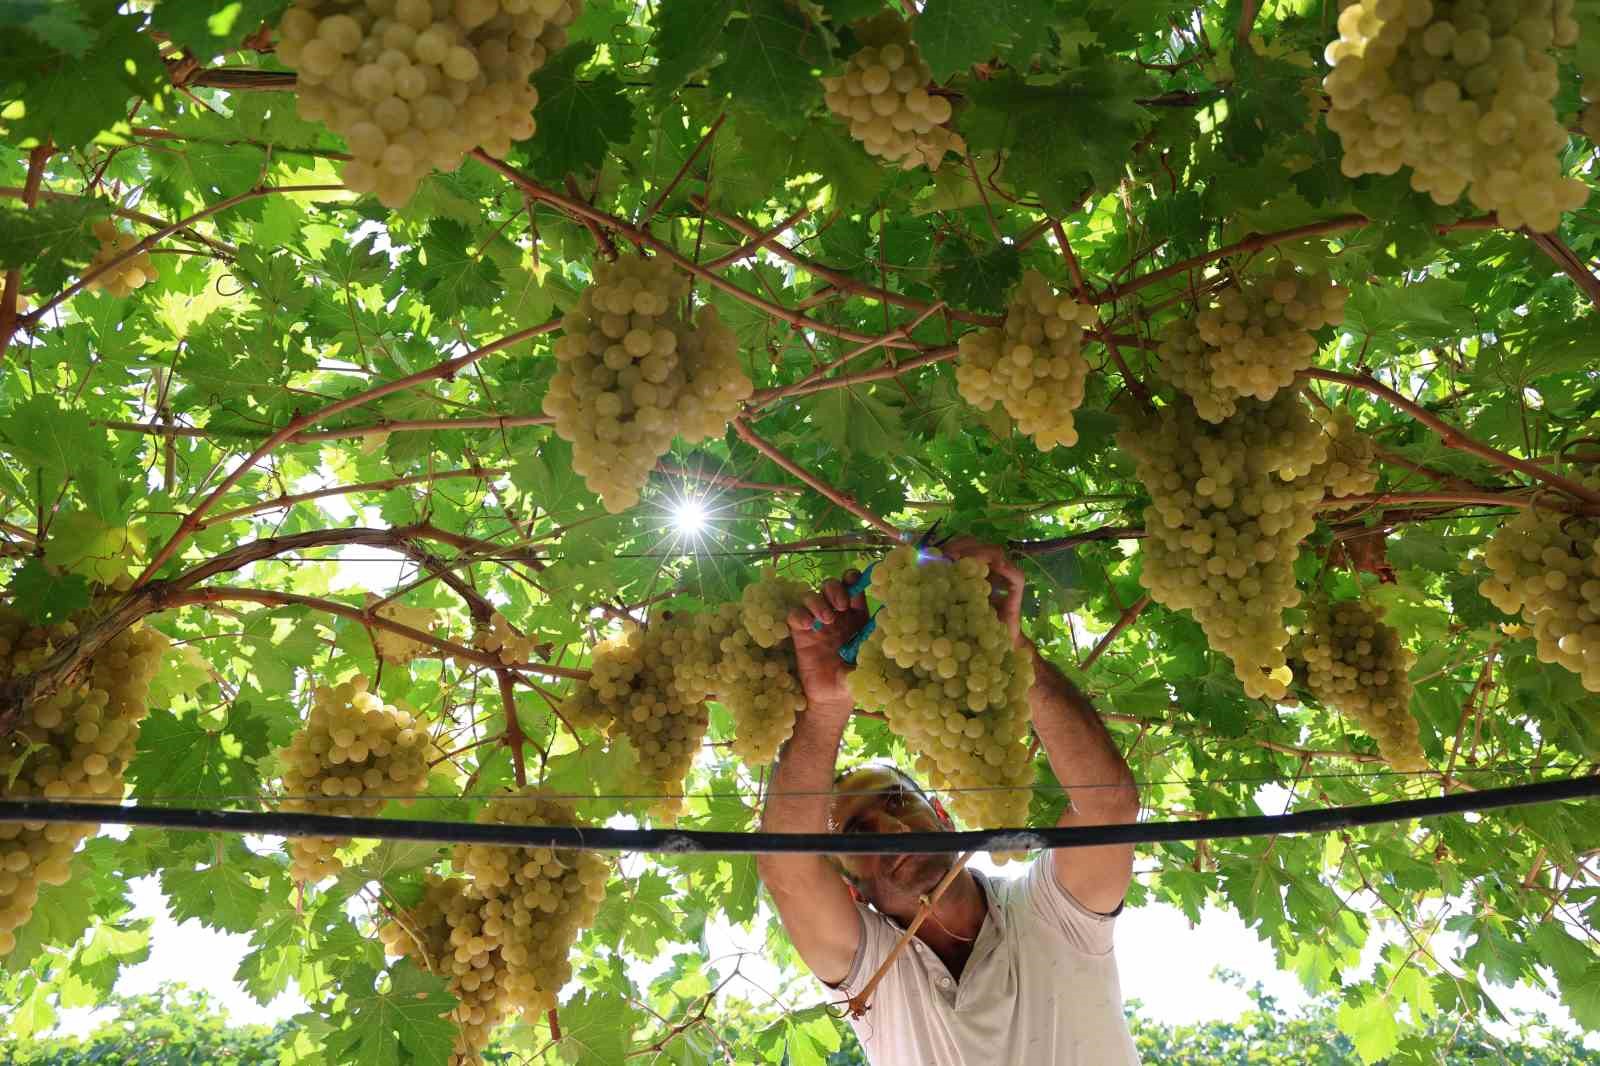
(820, 608)
(799, 620)
(836, 595)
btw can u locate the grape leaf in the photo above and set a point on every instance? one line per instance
(400, 1024)
(955, 34)
(977, 279)
(448, 274)
(66, 92)
(596, 1027)
(46, 598)
(772, 54)
(579, 117)
(208, 32)
(221, 894)
(1064, 138)
(686, 40)
(179, 758)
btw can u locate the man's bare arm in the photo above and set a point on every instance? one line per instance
(812, 900)
(1080, 750)
(1099, 784)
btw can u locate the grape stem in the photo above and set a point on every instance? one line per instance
(822, 488)
(1453, 437)
(666, 190)
(1127, 619)
(512, 737)
(12, 294)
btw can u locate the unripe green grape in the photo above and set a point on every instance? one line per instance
(883, 95)
(1033, 364)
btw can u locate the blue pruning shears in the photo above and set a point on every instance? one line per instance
(852, 647)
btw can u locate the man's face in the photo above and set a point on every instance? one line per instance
(876, 800)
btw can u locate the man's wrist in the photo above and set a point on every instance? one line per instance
(831, 708)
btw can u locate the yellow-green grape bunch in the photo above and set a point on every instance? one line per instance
(693, 644)
(1251, 341)
(883, 95)
(634, 373)
(1351, 467)
(445, 933)
(1546, 565)
(353, 752)
(537, 900)
(398, 648)
(758, 681)
(503, 640)
(1356, 665)
(134, 274)
(942, 668)
(1230, 504)
(1461, 91)
(1033, 364)
(414, 85)
(73, 745)
(631, 693)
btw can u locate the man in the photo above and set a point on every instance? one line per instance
(1015, 972)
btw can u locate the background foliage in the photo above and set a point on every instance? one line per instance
(308, 382)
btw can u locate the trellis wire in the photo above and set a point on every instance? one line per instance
(678, 841)
(268, 796)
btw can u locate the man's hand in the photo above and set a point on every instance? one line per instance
(1005, 580)
(822, 672)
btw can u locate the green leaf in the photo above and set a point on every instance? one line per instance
(400, 1024)
(45, 598)
(955, 34)
(772, 56)
(1064, 138)
(55, 88)
(179, 758)
(448, 274)
(1372, 1026)
(221, 895)
(596, 1028)
(979, 280)
(207, 31)
(579, 118)
(55, 228)
(686, 40)
(547, 477)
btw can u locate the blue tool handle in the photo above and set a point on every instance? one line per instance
(858, 586)
(853, 647)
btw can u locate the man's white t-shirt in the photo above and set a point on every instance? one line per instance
(1040, 989)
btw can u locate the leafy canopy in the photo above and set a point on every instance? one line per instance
(321, 402)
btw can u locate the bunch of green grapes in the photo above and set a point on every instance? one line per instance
(943, 669)
(1251, 341)
(398, 648)
(1033, 365)
(73, 745)
(1351, 467)
(1546, 565)
(883, 94)
(758, 681)
(693, 644)
(1230, 504)
(134, 274)
(503, 640)
(537, 899)
(415, 85)
(1461, 91)
(353, 752)
(631, 693)
(446, 933)
(1356, 665)
(634, 373)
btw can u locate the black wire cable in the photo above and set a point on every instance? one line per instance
(670, 841)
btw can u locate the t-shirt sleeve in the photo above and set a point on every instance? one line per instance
(877, 940)
(1088, 931)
